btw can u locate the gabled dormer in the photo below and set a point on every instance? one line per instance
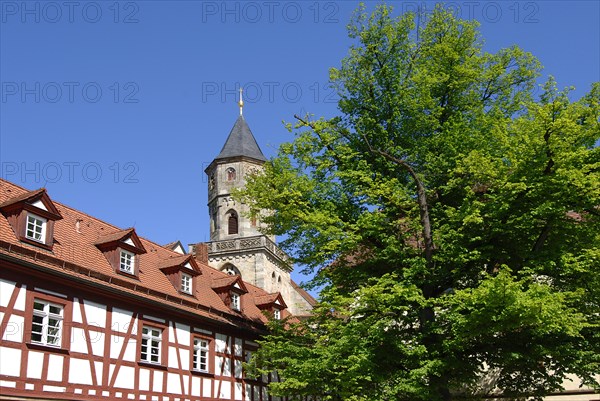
(181, 272)
(273, 304)
(230, 289)
(122, 250)
(176, 247)
(32, 216)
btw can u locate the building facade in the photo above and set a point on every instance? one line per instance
(90, 311)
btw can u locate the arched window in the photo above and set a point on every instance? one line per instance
(232, 223)
(230, 174)
(230, 269)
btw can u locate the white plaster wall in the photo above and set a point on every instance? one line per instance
(172, 359)
(157, 384)
(195, 386)
(79, 372)
(35, 362)
(10, 362)
(55, 367)
(126, 377)
(121, 319)
(20, 302)
(14, 328)
(6, 290)
(78, 343)
(144, 379)
(95, 313)
(183, 333)
(206, 387)
(173, 383)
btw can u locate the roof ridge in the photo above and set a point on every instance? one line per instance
(241, 142)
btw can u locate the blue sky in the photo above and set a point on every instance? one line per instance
(117, 107)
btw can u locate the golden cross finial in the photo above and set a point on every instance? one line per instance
(241, 102)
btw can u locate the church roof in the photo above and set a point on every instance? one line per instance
(241, 142)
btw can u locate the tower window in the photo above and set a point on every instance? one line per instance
(230, 173)
(232, 227)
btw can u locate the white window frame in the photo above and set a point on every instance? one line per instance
(276, 313)
(38, 222)
(127, 262)
(186, 283)
(151, 341)
(201, 354)
(235, 301)
(47, 323)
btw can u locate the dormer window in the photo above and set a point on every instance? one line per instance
(36, 228)
(127, 262)
(32, 216)
(272, 304)
(186, 283)
(230, 289)
(122, 250)
(235, 301)
(181, 271)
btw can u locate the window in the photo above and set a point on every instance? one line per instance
(230, 174)
(46, 326)
(126, 264)
(232, 223)
(276, 314)
(186, 283)
(151, 338)
(230, 270)
(235, 301)
(200, 362)
(36, 228)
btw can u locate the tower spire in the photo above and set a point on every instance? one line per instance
(241, 102)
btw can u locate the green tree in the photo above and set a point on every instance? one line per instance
(451, 218)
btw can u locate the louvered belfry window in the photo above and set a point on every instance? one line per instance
(233, 223)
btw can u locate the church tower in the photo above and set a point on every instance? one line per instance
(236, 245)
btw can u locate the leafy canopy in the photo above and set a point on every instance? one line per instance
(452, 218)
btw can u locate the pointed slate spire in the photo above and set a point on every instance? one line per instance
(241, 142)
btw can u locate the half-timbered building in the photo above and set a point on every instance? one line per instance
(93, 311)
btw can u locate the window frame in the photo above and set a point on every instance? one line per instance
(276, 313)
(196, 358)
(236, 301)
(44, 225)
(190, 283)
(132, 261)
(230, 174)
(233, 223)
(46, 316)
(145, 337)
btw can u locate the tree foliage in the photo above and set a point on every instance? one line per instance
(451, 216)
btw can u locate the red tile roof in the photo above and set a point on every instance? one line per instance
(23, 196)
(74, 252)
